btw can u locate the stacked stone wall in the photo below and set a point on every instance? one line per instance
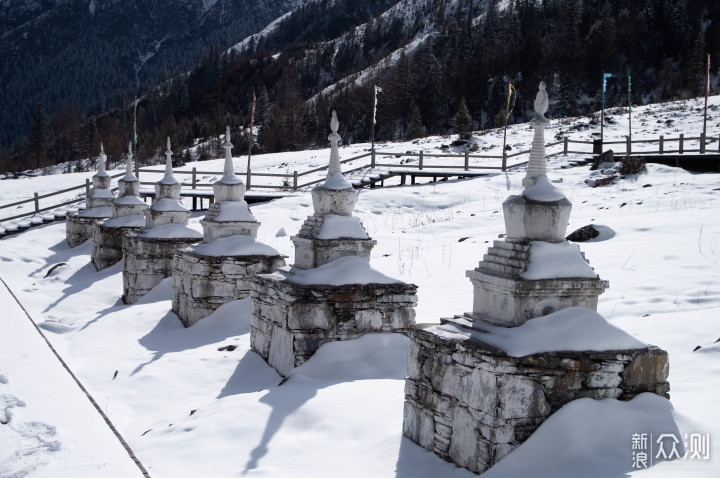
(201, 283)
(147, 262)
(107, 247)
(80, 229)
(291, 321)
(472, 404)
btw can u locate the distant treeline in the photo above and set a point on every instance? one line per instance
(471, 50)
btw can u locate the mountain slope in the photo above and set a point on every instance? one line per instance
(85, 52)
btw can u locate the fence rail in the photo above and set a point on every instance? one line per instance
(464, 162)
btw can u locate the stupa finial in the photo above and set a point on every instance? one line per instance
(128, 165)
(334, 138)
(168, 161)
(228, 156)
(103, 157)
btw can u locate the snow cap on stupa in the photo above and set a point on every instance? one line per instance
(169, 178)
(335, 195)
(101, 166)
(100, 194)
(129, 175)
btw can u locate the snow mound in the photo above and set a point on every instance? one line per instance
(346, 270)
(134, 220)
(336, 181)
(592, 439)
(341, 227)
(171, 231)
(129, 201)
(370, 357)
(543, 191)
(232, 211)
(97, 212)
(235, 246)
(570, 329)
(167, 204)
(556, 261)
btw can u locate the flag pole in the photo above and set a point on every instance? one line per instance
(508, 109)
(137, 167)
(602, 115)
(629, 111)
(707, 92)
(250, 140)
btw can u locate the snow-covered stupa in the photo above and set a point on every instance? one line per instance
(332, 231)
(220, 269)
(332, 293)
(480, 384)
(98, 206)
(128, 214)
(148, 253)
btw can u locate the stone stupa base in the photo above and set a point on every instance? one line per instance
(147, 261)
(504, 298)
(472, 404)
(290, 321)
(203, 283)
(81, 226)
(108, 239)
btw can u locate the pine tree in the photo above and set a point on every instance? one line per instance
(462, 123)
(416, 128)
(37, 145)
(697, 66)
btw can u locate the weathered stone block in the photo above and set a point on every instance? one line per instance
(471, 404)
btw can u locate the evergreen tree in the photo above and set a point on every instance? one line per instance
(37, 145)
(697, 67)
(416, 128)
(462, 123)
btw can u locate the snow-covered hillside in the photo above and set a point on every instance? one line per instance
(190, 406)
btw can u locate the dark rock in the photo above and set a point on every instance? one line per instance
(583, 234)
(606, 157)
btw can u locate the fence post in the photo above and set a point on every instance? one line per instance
(681, 145)
(294, 180)
(628, 146)
(504, 161)
(702, 143)
(662, 144)
(718, 144)
(421, 160)
(87, 187)
(194, 178)
(565, 145)
(37, 203)
(372, 158)
(467, 160)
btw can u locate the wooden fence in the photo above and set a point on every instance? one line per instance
(420, 161)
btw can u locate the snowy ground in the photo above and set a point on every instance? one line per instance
(189, 409)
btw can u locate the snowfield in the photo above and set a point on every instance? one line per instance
(198, 402)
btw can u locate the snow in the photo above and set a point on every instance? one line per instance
(346, 270)
(570, 329)
(336, 181)
(344, 417)
(230, 178)
(168, 179)
(231, 211)
(39, 432)
(134, 220)
(346, 227)
(555, 261)
(129, 201)
(171, 231)
(591, 438)
(543, 191)
(101, 193)
(129, 177)
(104, 211)
(235, 246)
(167, 205)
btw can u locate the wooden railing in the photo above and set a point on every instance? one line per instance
(379, 159)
